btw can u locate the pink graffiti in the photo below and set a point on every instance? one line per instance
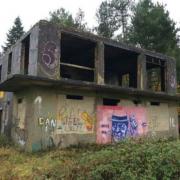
(116, 123)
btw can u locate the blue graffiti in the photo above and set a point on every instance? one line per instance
(133, 125)
(119, 127)
(122, 126)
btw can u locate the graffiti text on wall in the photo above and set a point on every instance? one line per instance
(70, 121)
(117, 123)
(49, 124)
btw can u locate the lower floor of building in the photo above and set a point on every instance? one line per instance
(39, 117)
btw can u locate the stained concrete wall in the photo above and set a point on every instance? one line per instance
(45, 53)
(17, 64)
(33, 51)
(48, 51)
(44, 117)
(4, 67)
(47, 118)
(171, 79)
(16, 59)
(7, 106)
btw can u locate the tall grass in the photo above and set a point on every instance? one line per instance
(129, 159)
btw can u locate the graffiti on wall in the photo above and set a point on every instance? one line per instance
(117, 123)
(70, 120)
(21, 135)
(172, 122)
(49, 60)
(48, 123)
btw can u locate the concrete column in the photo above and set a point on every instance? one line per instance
(141, 74)
(99, 63)
(171, 80)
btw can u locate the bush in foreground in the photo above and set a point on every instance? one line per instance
(129, 159)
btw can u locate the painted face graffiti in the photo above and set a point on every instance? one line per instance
(122, 122)
(119, 127)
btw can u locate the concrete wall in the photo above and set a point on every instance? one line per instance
(162, 119)
(17, 65)
(49, 51)
(6, 116)
(45, 54)
(47, 118)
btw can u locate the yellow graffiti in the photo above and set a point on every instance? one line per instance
(88, 120)
(41, 121)
(63, 113)
(74, 119)
(1, 94)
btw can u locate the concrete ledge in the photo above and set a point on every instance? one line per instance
(17, 82)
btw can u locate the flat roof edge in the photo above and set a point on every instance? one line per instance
(18, 82)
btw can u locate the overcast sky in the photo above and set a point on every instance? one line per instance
(32, 11)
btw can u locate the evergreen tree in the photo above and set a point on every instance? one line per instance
(14, 34)
(79, 20)
(64, 18)
(113, 16)
(106, 24)
(152, 27)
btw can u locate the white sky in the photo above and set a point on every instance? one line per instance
(32, 11)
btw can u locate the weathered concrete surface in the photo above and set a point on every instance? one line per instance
(171, 77)
(43, 116)
(142, 74)
(99, 63)
(45, 54)
(7, 107)
(48, 119)
(33, 51)
(49, 51)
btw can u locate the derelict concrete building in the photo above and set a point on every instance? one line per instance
(69, 87)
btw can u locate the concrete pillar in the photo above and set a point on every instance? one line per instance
(99, 63)
(141, 74)
(171, 81)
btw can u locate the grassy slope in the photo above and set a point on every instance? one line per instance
(127, 160)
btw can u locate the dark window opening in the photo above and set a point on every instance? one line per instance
(77, 58)
(9, 63)
(25, 54)
(20, 100)
(0, 72)
(110, 102)
(136, 102)
(120, 67)
(155, 103)
(155, 74)
(75, 97)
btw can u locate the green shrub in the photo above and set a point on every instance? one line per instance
(129, 159)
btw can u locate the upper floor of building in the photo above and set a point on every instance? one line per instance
(58, 53)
